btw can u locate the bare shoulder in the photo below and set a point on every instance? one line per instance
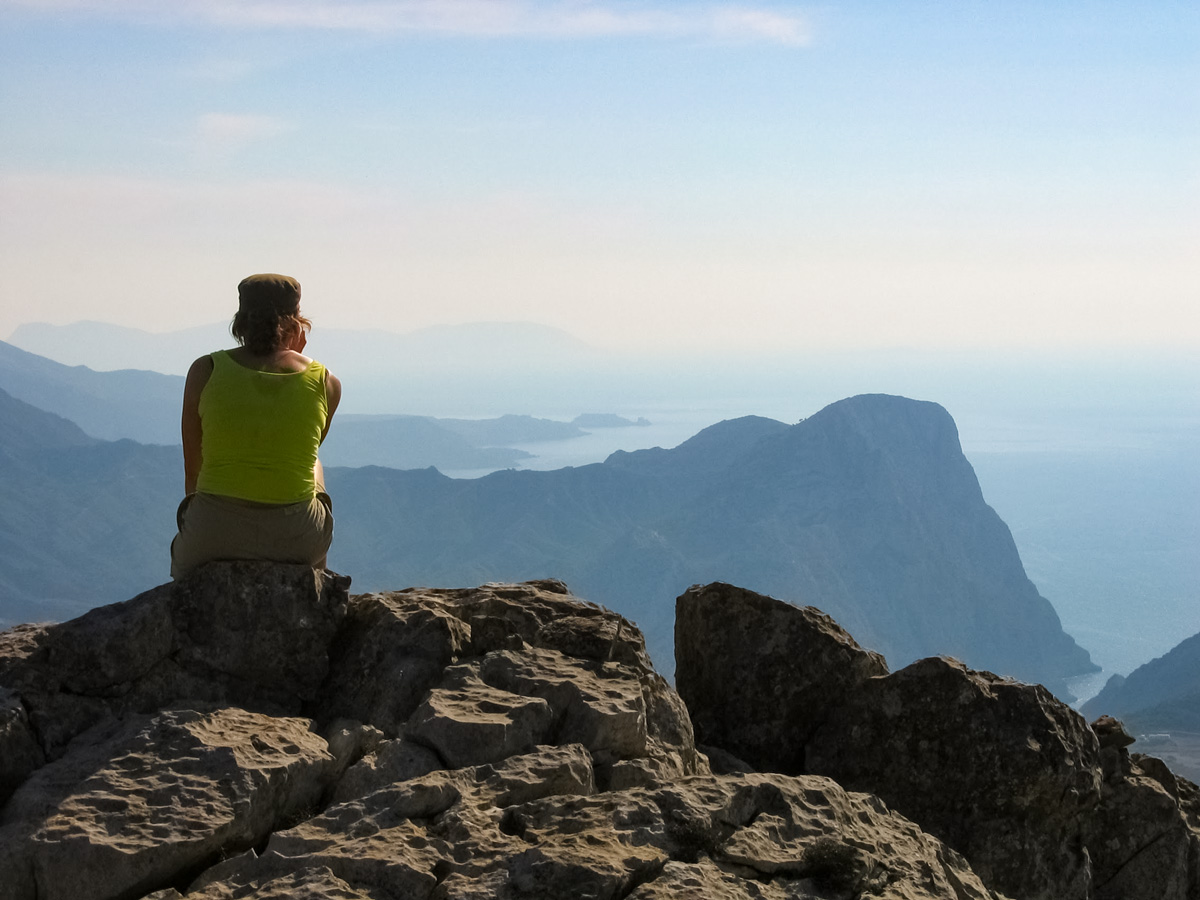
(198, 375)
(333, 389)
(202, 367)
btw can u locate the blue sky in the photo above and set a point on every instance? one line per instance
(664, 176)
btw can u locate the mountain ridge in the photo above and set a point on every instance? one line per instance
(103, 346)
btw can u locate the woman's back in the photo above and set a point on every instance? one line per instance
(261, 431)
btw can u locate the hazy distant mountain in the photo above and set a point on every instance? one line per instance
(144, 406)
(867, 509)
(512, 429)
(82, 521)
(1163, 695)
(105, 347)
(29, 430)
(607, 420)
(410, 442)
(127, 403)
(713, 449)
(349, 352)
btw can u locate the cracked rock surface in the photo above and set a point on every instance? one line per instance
(258, 732)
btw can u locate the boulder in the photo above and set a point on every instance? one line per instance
(999, 770)
(760, 676)
(249, 633)
(135, 804)
(1143, 838)
(392, 651)
(20, 752)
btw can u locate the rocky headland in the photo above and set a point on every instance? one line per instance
(257, 731)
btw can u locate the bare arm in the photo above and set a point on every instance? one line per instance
(333, 396)
(197, 378)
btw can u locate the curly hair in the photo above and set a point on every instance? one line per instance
(268, 310)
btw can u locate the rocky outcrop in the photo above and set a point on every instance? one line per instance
(535, 826)
(136, 804)
(256, 731)
(781, 663)
(247, 635)
(1001, 771)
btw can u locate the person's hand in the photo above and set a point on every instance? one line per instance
(299, 340)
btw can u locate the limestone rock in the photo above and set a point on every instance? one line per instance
(1001, 771)
(533, 826)
(389, 655)
(1111, 733)
(514, 741)
(262, 628)
(1142, 841)
(515, 691)
(391, 762)
(476, 723)
(133, 807)
(253, 634)
(304, 884)
(20, 753)
(759, 676)
(486, 672)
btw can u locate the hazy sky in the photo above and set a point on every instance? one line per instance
(648, 174)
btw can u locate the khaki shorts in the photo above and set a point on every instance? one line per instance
(212, 527)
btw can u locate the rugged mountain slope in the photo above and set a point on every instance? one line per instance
(82, 521)
(1162, 695)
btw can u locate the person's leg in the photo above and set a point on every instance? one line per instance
(204, 534)
(216, 528)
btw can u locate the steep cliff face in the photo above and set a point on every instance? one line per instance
(258, 732)
(870, 511)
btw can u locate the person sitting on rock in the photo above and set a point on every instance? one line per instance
(253, 419)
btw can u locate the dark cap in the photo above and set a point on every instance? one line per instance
(280, 293)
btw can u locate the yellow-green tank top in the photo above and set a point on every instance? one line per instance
(260, 432)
